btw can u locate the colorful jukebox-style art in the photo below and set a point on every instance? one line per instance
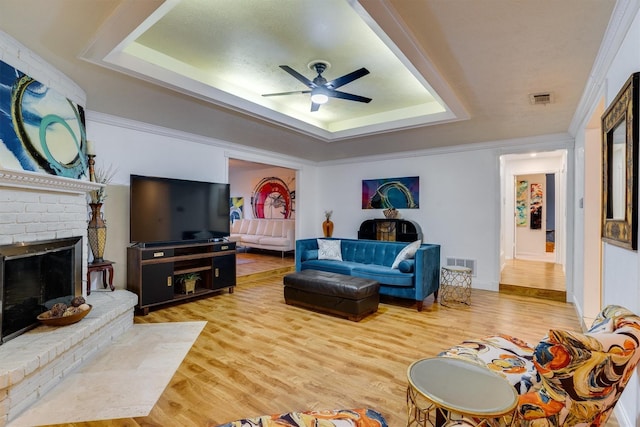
(272, 198)
(399, 193)
(40, 129)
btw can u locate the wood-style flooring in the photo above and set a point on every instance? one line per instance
(533, 278)
(257, 355)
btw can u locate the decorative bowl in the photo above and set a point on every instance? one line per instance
(64, 320)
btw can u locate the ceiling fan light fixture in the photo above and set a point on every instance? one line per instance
(318, 96)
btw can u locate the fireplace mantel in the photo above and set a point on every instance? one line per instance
(39, 181)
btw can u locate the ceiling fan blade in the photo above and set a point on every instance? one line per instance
(347, 78)
(314, 107)
(286, 93)
(298, 76)
(349, 96)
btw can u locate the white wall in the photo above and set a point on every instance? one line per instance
(620, 267)
(459, 199)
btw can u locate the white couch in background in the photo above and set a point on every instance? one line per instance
(264, 233)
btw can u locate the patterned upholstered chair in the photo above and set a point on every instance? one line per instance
(568, 378)
(335, 418)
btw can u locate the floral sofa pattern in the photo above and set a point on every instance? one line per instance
(568, 378)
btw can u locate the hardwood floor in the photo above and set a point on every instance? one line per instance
(257, 355)
(533, 278)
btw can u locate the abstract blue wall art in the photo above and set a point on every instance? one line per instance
(399, 193)
(40, 130)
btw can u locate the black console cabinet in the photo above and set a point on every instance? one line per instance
(152, 271)
(393, 230)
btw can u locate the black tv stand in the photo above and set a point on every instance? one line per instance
(153, 270)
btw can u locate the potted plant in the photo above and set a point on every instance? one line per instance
(188, 281)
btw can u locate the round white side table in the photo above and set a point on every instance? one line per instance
(455, 285)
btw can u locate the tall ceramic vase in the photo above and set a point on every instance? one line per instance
(327, 228)
(97, 232)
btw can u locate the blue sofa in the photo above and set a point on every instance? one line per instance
(415, 279)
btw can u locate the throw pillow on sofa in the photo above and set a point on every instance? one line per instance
(329, 249)
(407, 252)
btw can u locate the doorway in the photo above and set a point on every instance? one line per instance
(533, 239)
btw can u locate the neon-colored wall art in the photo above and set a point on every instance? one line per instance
(236, 208)
(399, 193)
(521, 203)
(535, 206)
(40, 129)
(273, 198)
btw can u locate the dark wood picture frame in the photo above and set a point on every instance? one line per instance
(620, 167)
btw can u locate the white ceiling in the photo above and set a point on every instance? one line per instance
(442, 72)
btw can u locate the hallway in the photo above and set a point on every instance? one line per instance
(533, 278)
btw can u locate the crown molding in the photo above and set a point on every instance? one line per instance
(622, 17)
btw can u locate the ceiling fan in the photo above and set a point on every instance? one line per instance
(320, 89)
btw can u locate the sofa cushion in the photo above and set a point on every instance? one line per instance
(277, 229)
(253, 226)
(385, 275)
(262, 227)
(273, 241)
(288, 228)
(407, 266)
(268, 231)
(408, 252)
(309, 254)
(244, 226)
(251, 238)
(329, 249)
(340, 267)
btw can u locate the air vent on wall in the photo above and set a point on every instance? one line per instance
(460, 262)
(541, 98)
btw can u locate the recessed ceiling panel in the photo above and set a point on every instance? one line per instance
(229, 52)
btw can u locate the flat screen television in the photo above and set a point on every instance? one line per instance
(167, 210)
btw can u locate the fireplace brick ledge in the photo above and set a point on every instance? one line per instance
(33, 363)
(39, 181)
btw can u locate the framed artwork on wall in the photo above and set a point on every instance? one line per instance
(40, 129)
(521, 203)
(236, 208)
(272, 198)
(535, 206)
(385, 193)
(620, 167)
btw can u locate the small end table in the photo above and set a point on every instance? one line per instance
(456, 285)
(444, 391)
(105, 267)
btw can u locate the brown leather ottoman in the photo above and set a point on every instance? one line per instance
(346, 296)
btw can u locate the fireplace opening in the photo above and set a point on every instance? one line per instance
(33, 277)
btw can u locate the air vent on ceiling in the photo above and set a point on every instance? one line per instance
(541, 98)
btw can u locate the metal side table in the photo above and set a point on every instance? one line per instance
(444, 391)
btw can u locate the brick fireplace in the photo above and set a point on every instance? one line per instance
(34, 208)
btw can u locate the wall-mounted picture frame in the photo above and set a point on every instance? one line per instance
(40, 129)
(385, 193)
(620, 167)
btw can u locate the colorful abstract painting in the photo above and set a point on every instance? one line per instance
(40, 129)
(399, 193)
(521, 203)
(273, 198)
(236, 208)
(535, 206)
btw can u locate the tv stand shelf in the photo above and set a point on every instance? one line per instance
(153, 272)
